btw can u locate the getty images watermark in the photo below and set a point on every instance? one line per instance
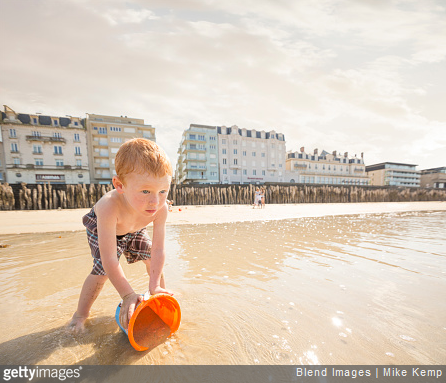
(28, 373)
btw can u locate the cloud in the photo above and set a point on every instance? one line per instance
(328, 74)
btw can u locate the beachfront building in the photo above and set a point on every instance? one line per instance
(393, 174)
(105, 135)
(433, 178)
(249, 156)
(325, 168)
(43, 149)
(198, 156)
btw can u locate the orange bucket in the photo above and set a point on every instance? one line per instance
(157, 317)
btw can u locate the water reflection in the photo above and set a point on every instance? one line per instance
(330, 290)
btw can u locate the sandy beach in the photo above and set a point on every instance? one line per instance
(328, 284)
(40, 221)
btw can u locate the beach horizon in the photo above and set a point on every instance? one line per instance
(63, 220)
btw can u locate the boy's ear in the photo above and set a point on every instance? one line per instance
(119, 186)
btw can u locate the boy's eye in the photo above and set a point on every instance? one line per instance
(145, 192)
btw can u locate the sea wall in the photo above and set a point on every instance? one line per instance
(41, 197)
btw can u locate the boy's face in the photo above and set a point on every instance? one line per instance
(146, 193)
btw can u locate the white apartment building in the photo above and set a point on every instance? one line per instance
(106, 134)
(250, 156)
(198, 156)
(325, 168)
(394, 174)
(43, 149)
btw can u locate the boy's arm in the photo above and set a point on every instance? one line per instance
(107, 219)
(158, 252)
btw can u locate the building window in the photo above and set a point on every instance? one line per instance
(244, 153)
(234, 172)
(213, 147)
(56, 123)
(76, 123)
(253, 154)
(254, 172)
(34, 120)
(212, 138)
(76, 137)
(14, 147)
(263, 172)
(102, 130)
(223, 151)
(57, 135)
(225, 171)
(114, 129)
(201, 137)
(116, 139)
(235, 151)
(223, 141)
(36, 134)
(245, 172)
(234, 142)
(16, 161)
(224, 161)
(37, 149)
(38, 161)
(79, 163)
(58, 150)
(263, 154)
(59, 163)
(235, 161)
(12, 133)
(77, 150)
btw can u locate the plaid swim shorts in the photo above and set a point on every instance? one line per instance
(135, 246)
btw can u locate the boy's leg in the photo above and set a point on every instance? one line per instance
(90, 290)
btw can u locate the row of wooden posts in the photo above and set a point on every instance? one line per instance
(46, 196)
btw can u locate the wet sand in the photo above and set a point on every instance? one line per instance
(46, 221)
(361, 288)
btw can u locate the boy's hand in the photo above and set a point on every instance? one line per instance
(128, 306)
(159, 290)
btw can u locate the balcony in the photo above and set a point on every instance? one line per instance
(46, 167)
(46, 139)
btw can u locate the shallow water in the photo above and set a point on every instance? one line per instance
(364, 289)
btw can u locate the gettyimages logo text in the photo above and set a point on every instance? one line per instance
(31, 373)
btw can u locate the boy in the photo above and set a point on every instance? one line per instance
(117, 224)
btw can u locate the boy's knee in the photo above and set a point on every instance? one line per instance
(99, 279)
(146, 261)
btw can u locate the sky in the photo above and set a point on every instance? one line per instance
(356, 76)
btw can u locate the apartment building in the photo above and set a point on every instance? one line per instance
(393, 174)
(43, 149)
(198, 155)
(105, 135)
(433, 178)
(325, 168)
(249, 156)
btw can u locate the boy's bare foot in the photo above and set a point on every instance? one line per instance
(77, 324)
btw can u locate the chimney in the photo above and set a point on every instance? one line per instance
(315, 152)
(302, 149)
(362, 155)
(346, 154)
(335, 153)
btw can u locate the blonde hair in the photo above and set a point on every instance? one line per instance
(141, 156)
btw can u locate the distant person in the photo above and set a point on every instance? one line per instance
(262, 197)
(169, 204)
(117, 225)
(257, 198)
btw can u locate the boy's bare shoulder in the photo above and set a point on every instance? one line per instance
(109, 204)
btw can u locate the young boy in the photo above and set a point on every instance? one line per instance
(117, 224)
